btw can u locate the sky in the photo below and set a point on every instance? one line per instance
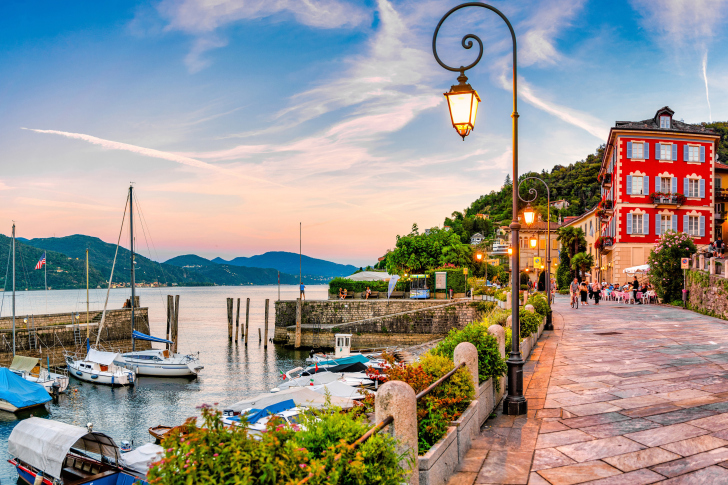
(236, 120)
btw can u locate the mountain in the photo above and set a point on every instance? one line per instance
(286, 262)
(63, 271)
(189, 261)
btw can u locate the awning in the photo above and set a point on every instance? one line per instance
(144, 336)
(24, 364)
(336, 369)
(642, 269)
(103, 358)
(44, 443)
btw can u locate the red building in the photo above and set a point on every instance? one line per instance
(657, 175)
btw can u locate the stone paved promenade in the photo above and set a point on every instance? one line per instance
(618, 394)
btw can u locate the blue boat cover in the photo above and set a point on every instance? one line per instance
(144, 336)
(19, 392)
(346, 360)
(255, 414)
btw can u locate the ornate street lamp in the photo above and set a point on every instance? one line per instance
(515, 402)
(529, 215)
(549, 323)
(479, 256)
(462, 100)
(533, 242)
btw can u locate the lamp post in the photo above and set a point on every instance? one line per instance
(463, 103)
(549, 323)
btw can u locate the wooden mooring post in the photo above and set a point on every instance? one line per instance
(237, 321)
(170, 315)
(259, 337)
(230, 318)
(247, 320)
(175, 324)
(265, 333)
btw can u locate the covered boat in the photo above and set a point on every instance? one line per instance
(159, 362)
(141, 458)
(63, 454)
(30, 369)
(17, 394)
(301, 396)
(99, 367)
(258, 418)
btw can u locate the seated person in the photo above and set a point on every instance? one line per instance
(345, 293)
(341, 294)
(367, 293)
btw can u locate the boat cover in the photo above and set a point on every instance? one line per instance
(336, 369)
(22, 363)
(313, 380)
(140, 458)
(144, 336)
(255, 414)
(301, 396)
(346, 360)
(44, 443)
(103, 358)
(19, 392)
(341, 389)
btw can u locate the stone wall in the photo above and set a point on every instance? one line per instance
(52, 335)
(708, 293)
(373, 324)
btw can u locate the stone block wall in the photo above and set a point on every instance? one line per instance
(708, 294)
(52, 335)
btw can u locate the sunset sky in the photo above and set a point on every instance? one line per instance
(236, 119)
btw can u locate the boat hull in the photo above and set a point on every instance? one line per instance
(159, 370)
(6, 406)
(120, 478)
(106, 378)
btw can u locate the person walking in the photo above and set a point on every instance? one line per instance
(719, 246)
(584, 290)
(303, 292)
(597, 292)
(635, 288)
(574, 290)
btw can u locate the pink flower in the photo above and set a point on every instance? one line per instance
(215, 454)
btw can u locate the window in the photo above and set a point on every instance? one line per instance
(717, 183)
(636, 185)
(637, 224)
(693, 188)
(665, 184)
(694, 226)
(665, 152)
(665, 224)
(637, 151)
(693, 154)
(664, 122)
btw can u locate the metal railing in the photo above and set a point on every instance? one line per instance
(389, 419)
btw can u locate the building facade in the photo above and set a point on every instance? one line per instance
(590, 223)
(720, 183)
(527, 263)
(657, 176)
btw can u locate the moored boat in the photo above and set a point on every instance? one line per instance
(29, 368)
(159, 362)
(17, 394)
(54, 453)
(99, 367)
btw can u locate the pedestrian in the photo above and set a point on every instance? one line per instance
(584, 292)
(367, 293)
(719, 246)
(303, 292)
(635, 288)
(597, 291)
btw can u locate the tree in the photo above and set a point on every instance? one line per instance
(582, 262)
(416, 253)
(664, 260)
(508, 182)
(573, 241)
(563, 272)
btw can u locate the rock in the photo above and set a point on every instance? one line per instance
(530, 308)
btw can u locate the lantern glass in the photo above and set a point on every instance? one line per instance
(529, 215)
(479, 256)
(462, 101)
(510, 251)
(533, 242)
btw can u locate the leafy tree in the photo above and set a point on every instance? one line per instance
(572, 241)
(664, 260)
(416, 253)
(582, 262)
(721, 127)
(563, 272)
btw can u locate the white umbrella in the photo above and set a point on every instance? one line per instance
(369, 276)
(642, 269)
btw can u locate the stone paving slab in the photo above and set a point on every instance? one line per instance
(618, 394)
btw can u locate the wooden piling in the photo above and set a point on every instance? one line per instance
(265, 333)
(170, 315)
(230, 318)
(175, 324)
(247, 320)
(259, 337)
(297, 342)
(237, 321)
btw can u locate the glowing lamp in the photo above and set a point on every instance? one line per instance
(529, 215)
(510, 251)
(462, 100)
(479, 256)
(533, 242)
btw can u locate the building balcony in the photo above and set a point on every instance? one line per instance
(604, 243)
(719, 217)
(721, 194)
(607, 182)
(667, 199)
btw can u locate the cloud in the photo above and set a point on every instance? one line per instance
(682, 21)
(203, 19)
(536, 45)
(705, 78)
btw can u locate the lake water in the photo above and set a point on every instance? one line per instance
(232, 372)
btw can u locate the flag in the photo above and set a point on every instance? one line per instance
(283, 376)
(316, 367)
(41, 262)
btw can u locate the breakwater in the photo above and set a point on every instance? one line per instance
(52, 334)
(372, 323)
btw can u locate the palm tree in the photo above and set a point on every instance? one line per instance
(582, 262)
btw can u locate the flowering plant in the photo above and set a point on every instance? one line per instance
(664, 260)
(679, 198)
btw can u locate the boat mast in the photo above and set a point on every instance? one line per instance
(13, 289)
(87, 328)
(131, 234)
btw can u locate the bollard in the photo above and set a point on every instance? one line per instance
(509, 320)
(701, 262)
(530, 308)
(525, 297)
(247, 320)
(297, 342)
(712, 265)
(500, 335)
(466, 352)
(265, 334)
(508, 300)
(230, 318)
(397, 399)
(237, 322)
(725, 270)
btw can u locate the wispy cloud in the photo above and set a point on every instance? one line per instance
(705, 78)
(547, 21)
(682, 21)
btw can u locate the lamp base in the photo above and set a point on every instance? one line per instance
(515, 403)
(515, 406)
(549, 322)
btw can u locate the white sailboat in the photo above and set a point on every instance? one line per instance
(29, 368)
(99, 367)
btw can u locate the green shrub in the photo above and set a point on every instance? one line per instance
(540, 304)
(483, 306)
(529, 322)
(563, 291)
(456, 280)
(665, 273)
(490, 363)
(215, 453)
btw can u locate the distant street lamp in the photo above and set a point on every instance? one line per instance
(479, 256)
(533, 242)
